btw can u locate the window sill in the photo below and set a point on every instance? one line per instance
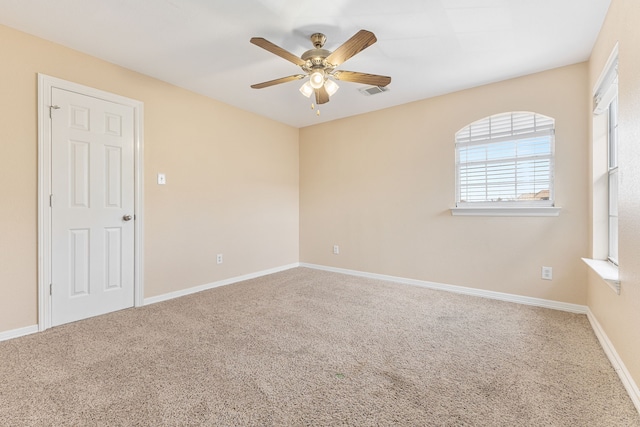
(507, 211)
(607, 271)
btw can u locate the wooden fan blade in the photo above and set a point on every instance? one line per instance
(368, 79)
(322, 96)
(278, 81)
(357, 43)
(277, 50)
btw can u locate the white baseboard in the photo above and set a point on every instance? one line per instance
(20, 332)
(538, 302)
(183, 292)
(616, 361)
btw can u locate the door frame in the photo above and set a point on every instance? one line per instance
(45, 85)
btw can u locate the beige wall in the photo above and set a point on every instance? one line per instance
(619, 315)
(231, 188)
(380, 186)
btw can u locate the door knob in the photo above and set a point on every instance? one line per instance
(127, 217)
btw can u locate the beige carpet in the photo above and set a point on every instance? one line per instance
(311, 348)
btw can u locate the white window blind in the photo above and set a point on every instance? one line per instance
(506, 159)
(607, 91)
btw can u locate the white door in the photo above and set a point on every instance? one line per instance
(92, 206)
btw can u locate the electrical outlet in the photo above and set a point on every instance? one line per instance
(336, 249)
(547, 273)
(219, 259)
(162, 179)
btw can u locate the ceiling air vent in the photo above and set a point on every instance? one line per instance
(373, 90)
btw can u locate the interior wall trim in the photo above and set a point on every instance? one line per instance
(519, 299)
(617, 363)
(17, 333)
(224, 282)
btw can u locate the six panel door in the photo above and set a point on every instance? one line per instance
(92, 223)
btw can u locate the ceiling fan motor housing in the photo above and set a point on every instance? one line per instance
(316, 58)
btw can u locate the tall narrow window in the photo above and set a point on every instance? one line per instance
(606, 104)
(506, 160)
(613, 179)
(604, 175)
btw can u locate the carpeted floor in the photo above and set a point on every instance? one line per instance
(312, 348)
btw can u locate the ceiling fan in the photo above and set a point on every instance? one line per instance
(320, 65)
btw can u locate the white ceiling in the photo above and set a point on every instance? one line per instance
(428, 47)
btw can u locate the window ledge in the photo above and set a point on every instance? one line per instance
(607, 271)
(507, 211)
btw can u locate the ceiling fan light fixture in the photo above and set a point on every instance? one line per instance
(316, 79)
(319, 66)
(306, 89)
(331, 87)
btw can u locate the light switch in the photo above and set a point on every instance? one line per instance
(162, 179)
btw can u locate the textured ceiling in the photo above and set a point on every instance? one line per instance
(428, 47)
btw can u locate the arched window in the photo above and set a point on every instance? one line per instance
(506, 160)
